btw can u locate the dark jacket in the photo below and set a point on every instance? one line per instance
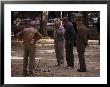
(69, 32)
(81, 38)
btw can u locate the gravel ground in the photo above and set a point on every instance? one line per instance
(45, 59)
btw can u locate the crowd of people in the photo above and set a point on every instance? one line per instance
(64, 37)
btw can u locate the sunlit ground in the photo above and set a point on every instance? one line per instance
(45, 59)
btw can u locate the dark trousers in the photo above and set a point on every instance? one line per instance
(69, 53)
(82, 60)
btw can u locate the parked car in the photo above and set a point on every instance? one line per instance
(50, 22)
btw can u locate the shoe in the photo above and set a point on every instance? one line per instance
(37, 69)
(69, 67)
(79, 70)
(31, 75)
(25, 75)
(57, 65)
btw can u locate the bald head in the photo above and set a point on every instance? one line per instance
(57, 23)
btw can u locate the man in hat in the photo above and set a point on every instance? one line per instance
(81, 42)
(29, 35)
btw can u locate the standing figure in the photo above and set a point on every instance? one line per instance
(29, 35)
(81, 42)
(69, 37)
(59, 42)
(98, 29)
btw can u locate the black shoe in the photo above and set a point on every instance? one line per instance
(69, 67)
(80, 70)
(37, 69)
(25, 75)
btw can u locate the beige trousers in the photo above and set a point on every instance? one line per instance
(29, 52)
(59, 50)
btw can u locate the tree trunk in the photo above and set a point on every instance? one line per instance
(44, 21)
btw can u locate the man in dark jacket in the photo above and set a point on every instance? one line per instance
(69, 37)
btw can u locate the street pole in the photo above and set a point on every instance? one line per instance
(61, 16)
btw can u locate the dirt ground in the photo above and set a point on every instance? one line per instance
(46, 61)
